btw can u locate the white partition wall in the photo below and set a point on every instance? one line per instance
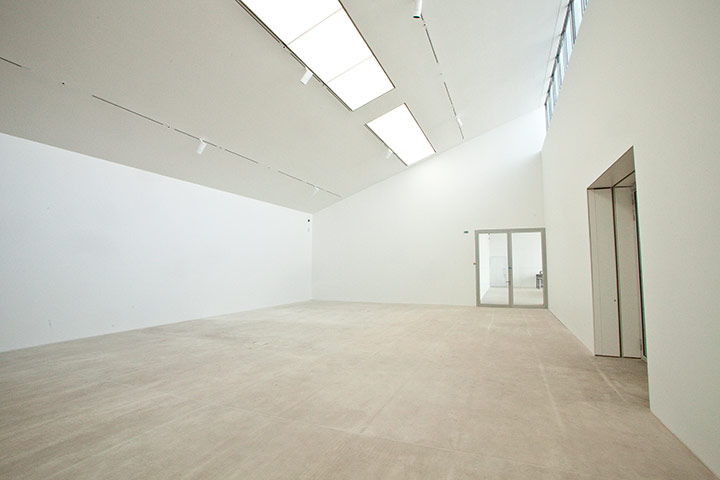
(91, 247)
(409, 239)
(645, 74)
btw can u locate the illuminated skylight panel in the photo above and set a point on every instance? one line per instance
(402, 134)
(332, 48)
(321, 34)
(289, 19)
(361, 84)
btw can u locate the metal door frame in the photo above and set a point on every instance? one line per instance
(511, 299)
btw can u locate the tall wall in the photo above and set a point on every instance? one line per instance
(402, 240)
(645, 74)
(91, 247)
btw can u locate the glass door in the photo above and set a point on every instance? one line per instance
(493, 269)
(528, 277)
(510, 268)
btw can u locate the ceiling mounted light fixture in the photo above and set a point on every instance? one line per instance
(306, 76)
(459, 122)
(399, 130)
(324, 38)
(201, 147)
(417, 11)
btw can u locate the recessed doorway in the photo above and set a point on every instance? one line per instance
(619, 324)
(510, 268)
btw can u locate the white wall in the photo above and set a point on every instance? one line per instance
(402, 240)
(646, 74)
(91, 247)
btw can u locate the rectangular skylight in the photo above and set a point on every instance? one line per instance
(322, 35)
(331, 48)
(361, 84)
(288, 19)
(402, 134)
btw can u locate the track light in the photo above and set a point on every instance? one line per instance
(457, 119)
(317, 189)
(306, 76)
(417, 11)
(388, 154)
(201, 147)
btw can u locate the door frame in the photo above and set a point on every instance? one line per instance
(618, 329)
(509, 232)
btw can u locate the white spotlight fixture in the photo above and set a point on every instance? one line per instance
(457, 119)
(417, 11)
(388, 154)
(201, 147)
(317, 189)
(306, 76)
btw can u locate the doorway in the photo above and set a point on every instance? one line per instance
(618, 317)
(510, 268)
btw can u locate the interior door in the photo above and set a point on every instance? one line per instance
(528, 276)
(493, 269)
(510, 268)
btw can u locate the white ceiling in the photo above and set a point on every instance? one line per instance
(205, 67)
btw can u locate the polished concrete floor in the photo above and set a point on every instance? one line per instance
(334, 391)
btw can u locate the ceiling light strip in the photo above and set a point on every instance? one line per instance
(318, 23)
(328, 43)
(350, 69)
(399, 130)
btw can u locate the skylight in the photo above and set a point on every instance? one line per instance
(288, 19)
(399, 130)
(322, 35)
(361, 84)
(568, 36)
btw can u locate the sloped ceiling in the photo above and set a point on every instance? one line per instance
(137, 82)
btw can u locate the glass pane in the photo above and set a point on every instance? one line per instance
(528, 278)
(568, 48)
(578, 13)
(493, 269)
(547, 113)
(562, 60)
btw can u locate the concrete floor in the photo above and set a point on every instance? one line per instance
(521, 296)
(334, 391)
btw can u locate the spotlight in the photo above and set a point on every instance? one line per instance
(388, 154)
(457, 119)
(417, 11)
(317, 189)
(306, 76)
(201, 147)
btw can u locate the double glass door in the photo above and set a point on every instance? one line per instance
(510, 268)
